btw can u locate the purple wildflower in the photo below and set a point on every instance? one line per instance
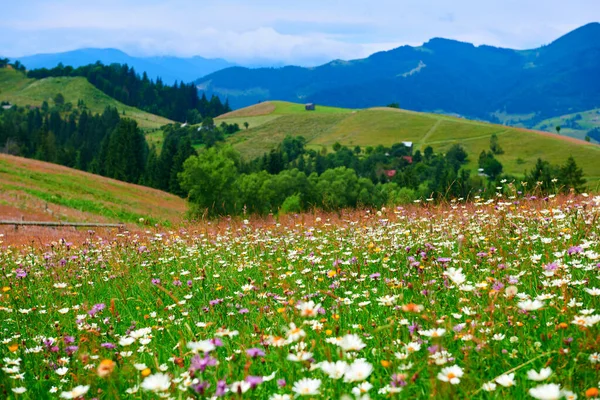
(221, 387)
(201, 387)
(96, 309)
(215, 302)
(574, 250)
(201, 363)
(255, 352)
(413, 328)
(433, 349)
(551, 267)
(254, 381)
(397, 381)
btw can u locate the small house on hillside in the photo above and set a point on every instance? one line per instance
(390, 173)
(309, 107)
(408, 159)
(408, 144)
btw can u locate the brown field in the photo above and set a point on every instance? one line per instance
(259, 109)
(45, 236)
(36, 190)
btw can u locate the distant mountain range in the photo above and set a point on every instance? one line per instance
(447, 76)
(170, 69)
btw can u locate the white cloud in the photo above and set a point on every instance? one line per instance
(305, 32)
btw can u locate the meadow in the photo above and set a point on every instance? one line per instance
(270, 122)
(41, 191)
(18, 89)
(486, 300)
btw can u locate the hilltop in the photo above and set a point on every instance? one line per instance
(36, 190)
(16, 88)
(444, 76)
(270, 122)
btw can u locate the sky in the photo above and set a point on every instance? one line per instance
(300, 32)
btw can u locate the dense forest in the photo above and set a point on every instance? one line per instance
(105, 144)
(179, 102)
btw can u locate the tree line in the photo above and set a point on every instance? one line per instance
(106, 144)
(292, 178)
(179, 102)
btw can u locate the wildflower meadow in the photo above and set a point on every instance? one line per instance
(495, 299)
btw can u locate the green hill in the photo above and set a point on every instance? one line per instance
(576, 125)
(36, 190)
(16, 88)
(270, 122)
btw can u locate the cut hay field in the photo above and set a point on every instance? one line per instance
(17, 89)
(487, 300)
(589, 120)
(271, 122)
(35, 190)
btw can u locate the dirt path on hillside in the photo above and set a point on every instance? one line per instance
(429, 132)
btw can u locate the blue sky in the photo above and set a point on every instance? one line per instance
(305, 32)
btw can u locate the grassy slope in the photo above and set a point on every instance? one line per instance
(18, 89)
(39, 190)
(386, 126)
(268, 111)
(590, 120)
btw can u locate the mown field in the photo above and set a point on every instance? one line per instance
(35, 190)
(487, 300)
(16, 88)
(270, 122)
(589, 120)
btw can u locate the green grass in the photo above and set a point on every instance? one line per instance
(254, 142)
(253, 122)
(285, 108)
(84, 196)
(155, 138)
(16, 88)
(386, 126)
(489, 289)
(589, 120)
(268, 111)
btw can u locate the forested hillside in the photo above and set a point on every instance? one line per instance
(179, 102)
